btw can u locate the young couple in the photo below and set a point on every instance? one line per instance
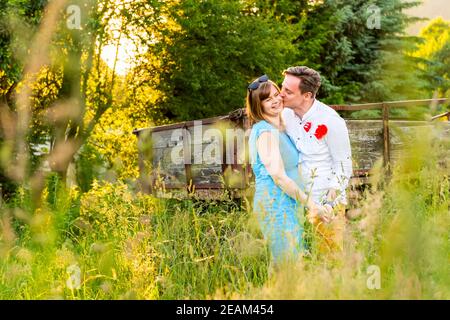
(301, 158)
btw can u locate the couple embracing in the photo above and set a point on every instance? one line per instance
(301, 158)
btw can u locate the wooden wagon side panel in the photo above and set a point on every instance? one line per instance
(237, 172)
(366, 140)
(206, 155)
(216, 156)
(168, 159)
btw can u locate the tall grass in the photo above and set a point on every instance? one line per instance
(403, 232)
(126, 245)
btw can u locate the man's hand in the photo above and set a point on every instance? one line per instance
(326, 213)
(315, 213)
(312, 211)
(331, 195)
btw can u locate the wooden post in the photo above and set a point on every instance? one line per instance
(386, 138)
(248, 170)
(187, 160)
(225, 165)
(146, 179)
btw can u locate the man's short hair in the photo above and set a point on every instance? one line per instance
(309, 78)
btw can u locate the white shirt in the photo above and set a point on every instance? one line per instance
(325, 162)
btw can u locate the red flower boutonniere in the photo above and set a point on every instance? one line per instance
(321, 131)
(307, 126)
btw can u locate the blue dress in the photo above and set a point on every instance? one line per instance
(278, 213)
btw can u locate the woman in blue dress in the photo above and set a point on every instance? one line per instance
(279, 197)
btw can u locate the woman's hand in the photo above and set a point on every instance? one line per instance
(326, 213)
(312, 212)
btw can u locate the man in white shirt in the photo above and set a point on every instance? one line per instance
(320, 135)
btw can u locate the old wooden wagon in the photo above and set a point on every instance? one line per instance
(208, 158)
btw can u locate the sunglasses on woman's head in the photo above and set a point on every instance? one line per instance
(255, 84)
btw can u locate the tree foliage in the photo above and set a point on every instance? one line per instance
(214, 48)
(212, 52)
(435, 50)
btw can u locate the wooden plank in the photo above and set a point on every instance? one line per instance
(366, 142)
(203, 174)
(390, 104)
(168, 138)
(206, 147)
(165, 170)
(443, 116)
(187, 159)
(168, 158)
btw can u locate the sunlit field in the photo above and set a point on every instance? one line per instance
(74, 220)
